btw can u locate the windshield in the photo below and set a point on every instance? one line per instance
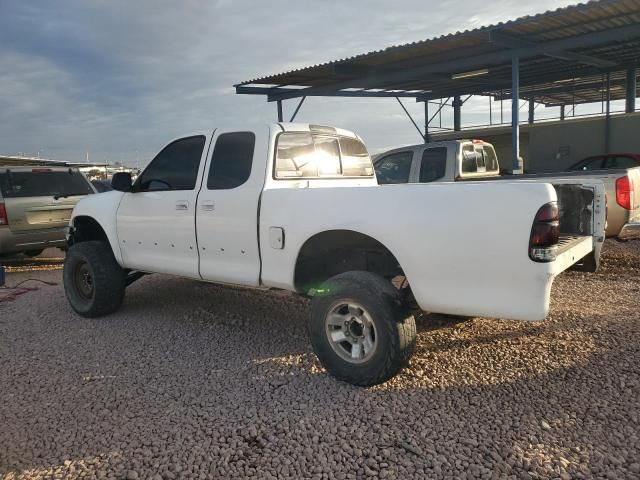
(43, 183)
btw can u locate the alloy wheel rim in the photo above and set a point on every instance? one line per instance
(351, 332)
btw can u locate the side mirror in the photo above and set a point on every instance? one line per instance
(121, 181)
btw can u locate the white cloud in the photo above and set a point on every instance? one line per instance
(120, 78)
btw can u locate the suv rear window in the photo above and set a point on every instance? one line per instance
(43, 184)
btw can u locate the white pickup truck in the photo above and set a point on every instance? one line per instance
(298, 207)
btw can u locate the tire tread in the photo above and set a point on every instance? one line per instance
(108, 278)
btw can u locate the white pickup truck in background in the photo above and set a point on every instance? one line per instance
(298, 207)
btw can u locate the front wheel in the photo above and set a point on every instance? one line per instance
(94, 283)
(360, 329)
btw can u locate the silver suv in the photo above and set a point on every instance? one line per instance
(35, 206)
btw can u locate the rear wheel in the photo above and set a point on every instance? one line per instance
(33, 253)
(94, 283)
(360, 329)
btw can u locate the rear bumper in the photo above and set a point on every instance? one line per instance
(630, 231)
(574, 249)
(11, 242)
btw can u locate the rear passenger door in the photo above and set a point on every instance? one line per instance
(155, 221)
(227, 209)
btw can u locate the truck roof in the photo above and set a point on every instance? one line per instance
(428, 144)
(311, 127)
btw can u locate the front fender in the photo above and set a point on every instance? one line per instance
(102, 208)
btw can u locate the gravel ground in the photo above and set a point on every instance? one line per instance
(190, 380)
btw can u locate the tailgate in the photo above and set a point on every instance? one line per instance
(582, 218)
(583, 210)
(37, 213)
(634, 213)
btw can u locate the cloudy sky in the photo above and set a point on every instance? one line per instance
(119, 79)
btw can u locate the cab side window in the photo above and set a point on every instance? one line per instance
(433, 164)
(620, 162)
(174, 168)
(590, 164)
(231, 160)
(394, 168)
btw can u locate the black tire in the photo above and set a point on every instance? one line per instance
(94, 283)
(395, 327)
(33, 253)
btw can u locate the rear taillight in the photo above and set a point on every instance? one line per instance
(4, 220)
(545, 234)
(624, 192)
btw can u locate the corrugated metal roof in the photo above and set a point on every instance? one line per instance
(395, 68)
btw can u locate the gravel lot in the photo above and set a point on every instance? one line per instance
(190, 380)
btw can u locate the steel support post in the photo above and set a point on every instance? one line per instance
(515, 110)
(280, 116)
(293, 117)
(426, 121)
(457, 108)
(532, 107)
(607, 120)
(632, 74)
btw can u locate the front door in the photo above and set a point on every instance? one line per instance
(156, 221)
(227, 219)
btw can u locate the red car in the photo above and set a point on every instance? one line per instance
(608, 161)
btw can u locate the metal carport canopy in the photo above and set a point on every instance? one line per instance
(558, 57)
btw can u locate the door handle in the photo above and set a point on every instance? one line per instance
(182, 205)
(208, 206)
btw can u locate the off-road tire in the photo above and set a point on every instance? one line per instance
(107, 278)
(395, 327)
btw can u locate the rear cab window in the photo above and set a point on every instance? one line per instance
(302, 155)
(43, 182)
(478, 159)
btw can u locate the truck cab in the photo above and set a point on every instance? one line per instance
(446, 161)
